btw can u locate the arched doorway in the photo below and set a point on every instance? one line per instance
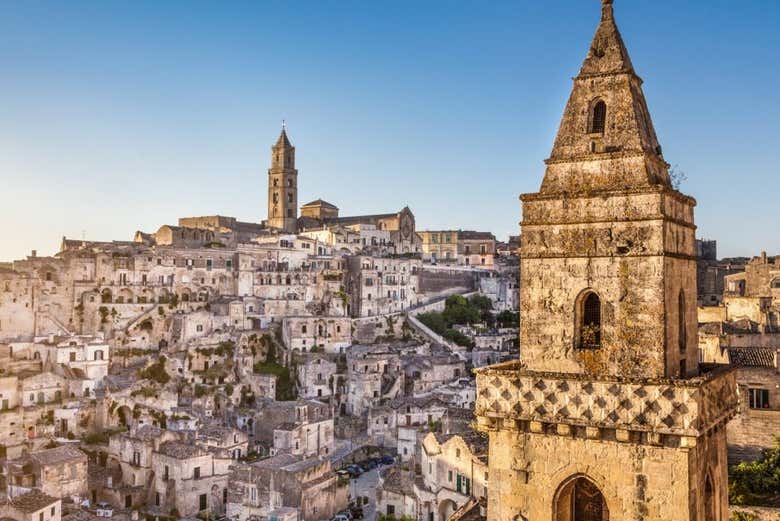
(446, 508)
(579, 499)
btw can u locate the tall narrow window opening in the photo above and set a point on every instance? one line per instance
(589, 333)
(598, 118)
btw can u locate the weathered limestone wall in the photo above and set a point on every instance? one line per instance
(711, 314)
(434, 281)
(632, 314)
(752, 430)
(638, 482)
(636, 250)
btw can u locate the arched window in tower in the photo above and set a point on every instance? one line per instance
(598, 119)
(289, 213)
(276, 183)
(682, 337)
(289, 183)
(289, 197)
(589, 321)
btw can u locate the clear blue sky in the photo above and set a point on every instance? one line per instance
(119, 116)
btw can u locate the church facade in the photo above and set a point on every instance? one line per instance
(607, 416)
(395, 230)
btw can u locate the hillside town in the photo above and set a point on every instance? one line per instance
(603, 364)
(264, 370)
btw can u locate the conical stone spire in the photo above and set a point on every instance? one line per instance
(606, 140)
(283, 141)
(608, 54)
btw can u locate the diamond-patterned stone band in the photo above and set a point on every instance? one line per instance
(664, 406)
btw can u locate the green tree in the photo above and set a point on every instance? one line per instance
(508, 319)
(756, 482)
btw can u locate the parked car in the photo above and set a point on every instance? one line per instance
(354, 470)
(340, 517)
(367, 465)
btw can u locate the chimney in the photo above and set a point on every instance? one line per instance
(763, 257)
(34, 254)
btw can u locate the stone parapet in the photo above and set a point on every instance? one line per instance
(544, 401)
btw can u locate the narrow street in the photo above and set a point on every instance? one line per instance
(365, 487)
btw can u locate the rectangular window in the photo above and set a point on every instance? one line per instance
(759, 398)
(209, 264)
(196, 473)
(203, 502)
(390, 510)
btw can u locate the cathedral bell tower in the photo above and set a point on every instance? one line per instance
(606, 416)
(283, 186)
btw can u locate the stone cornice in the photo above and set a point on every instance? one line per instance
(603, 194)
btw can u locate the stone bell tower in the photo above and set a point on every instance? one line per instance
(606, 416)
(283, 186)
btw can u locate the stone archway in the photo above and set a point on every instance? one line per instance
(446, 508)
(579, 499)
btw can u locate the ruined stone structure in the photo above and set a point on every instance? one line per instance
(607, 416)
(283, 186)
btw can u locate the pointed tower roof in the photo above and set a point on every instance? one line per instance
(283, 141)
(606, 140)
(608, 54)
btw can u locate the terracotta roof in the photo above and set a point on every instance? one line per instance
(179, 450)
(472, 235)
(320, 202)
(394, 479)
(146, 433)
(752, 357)
(32, 501)
(711, 328)
(61, 454)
